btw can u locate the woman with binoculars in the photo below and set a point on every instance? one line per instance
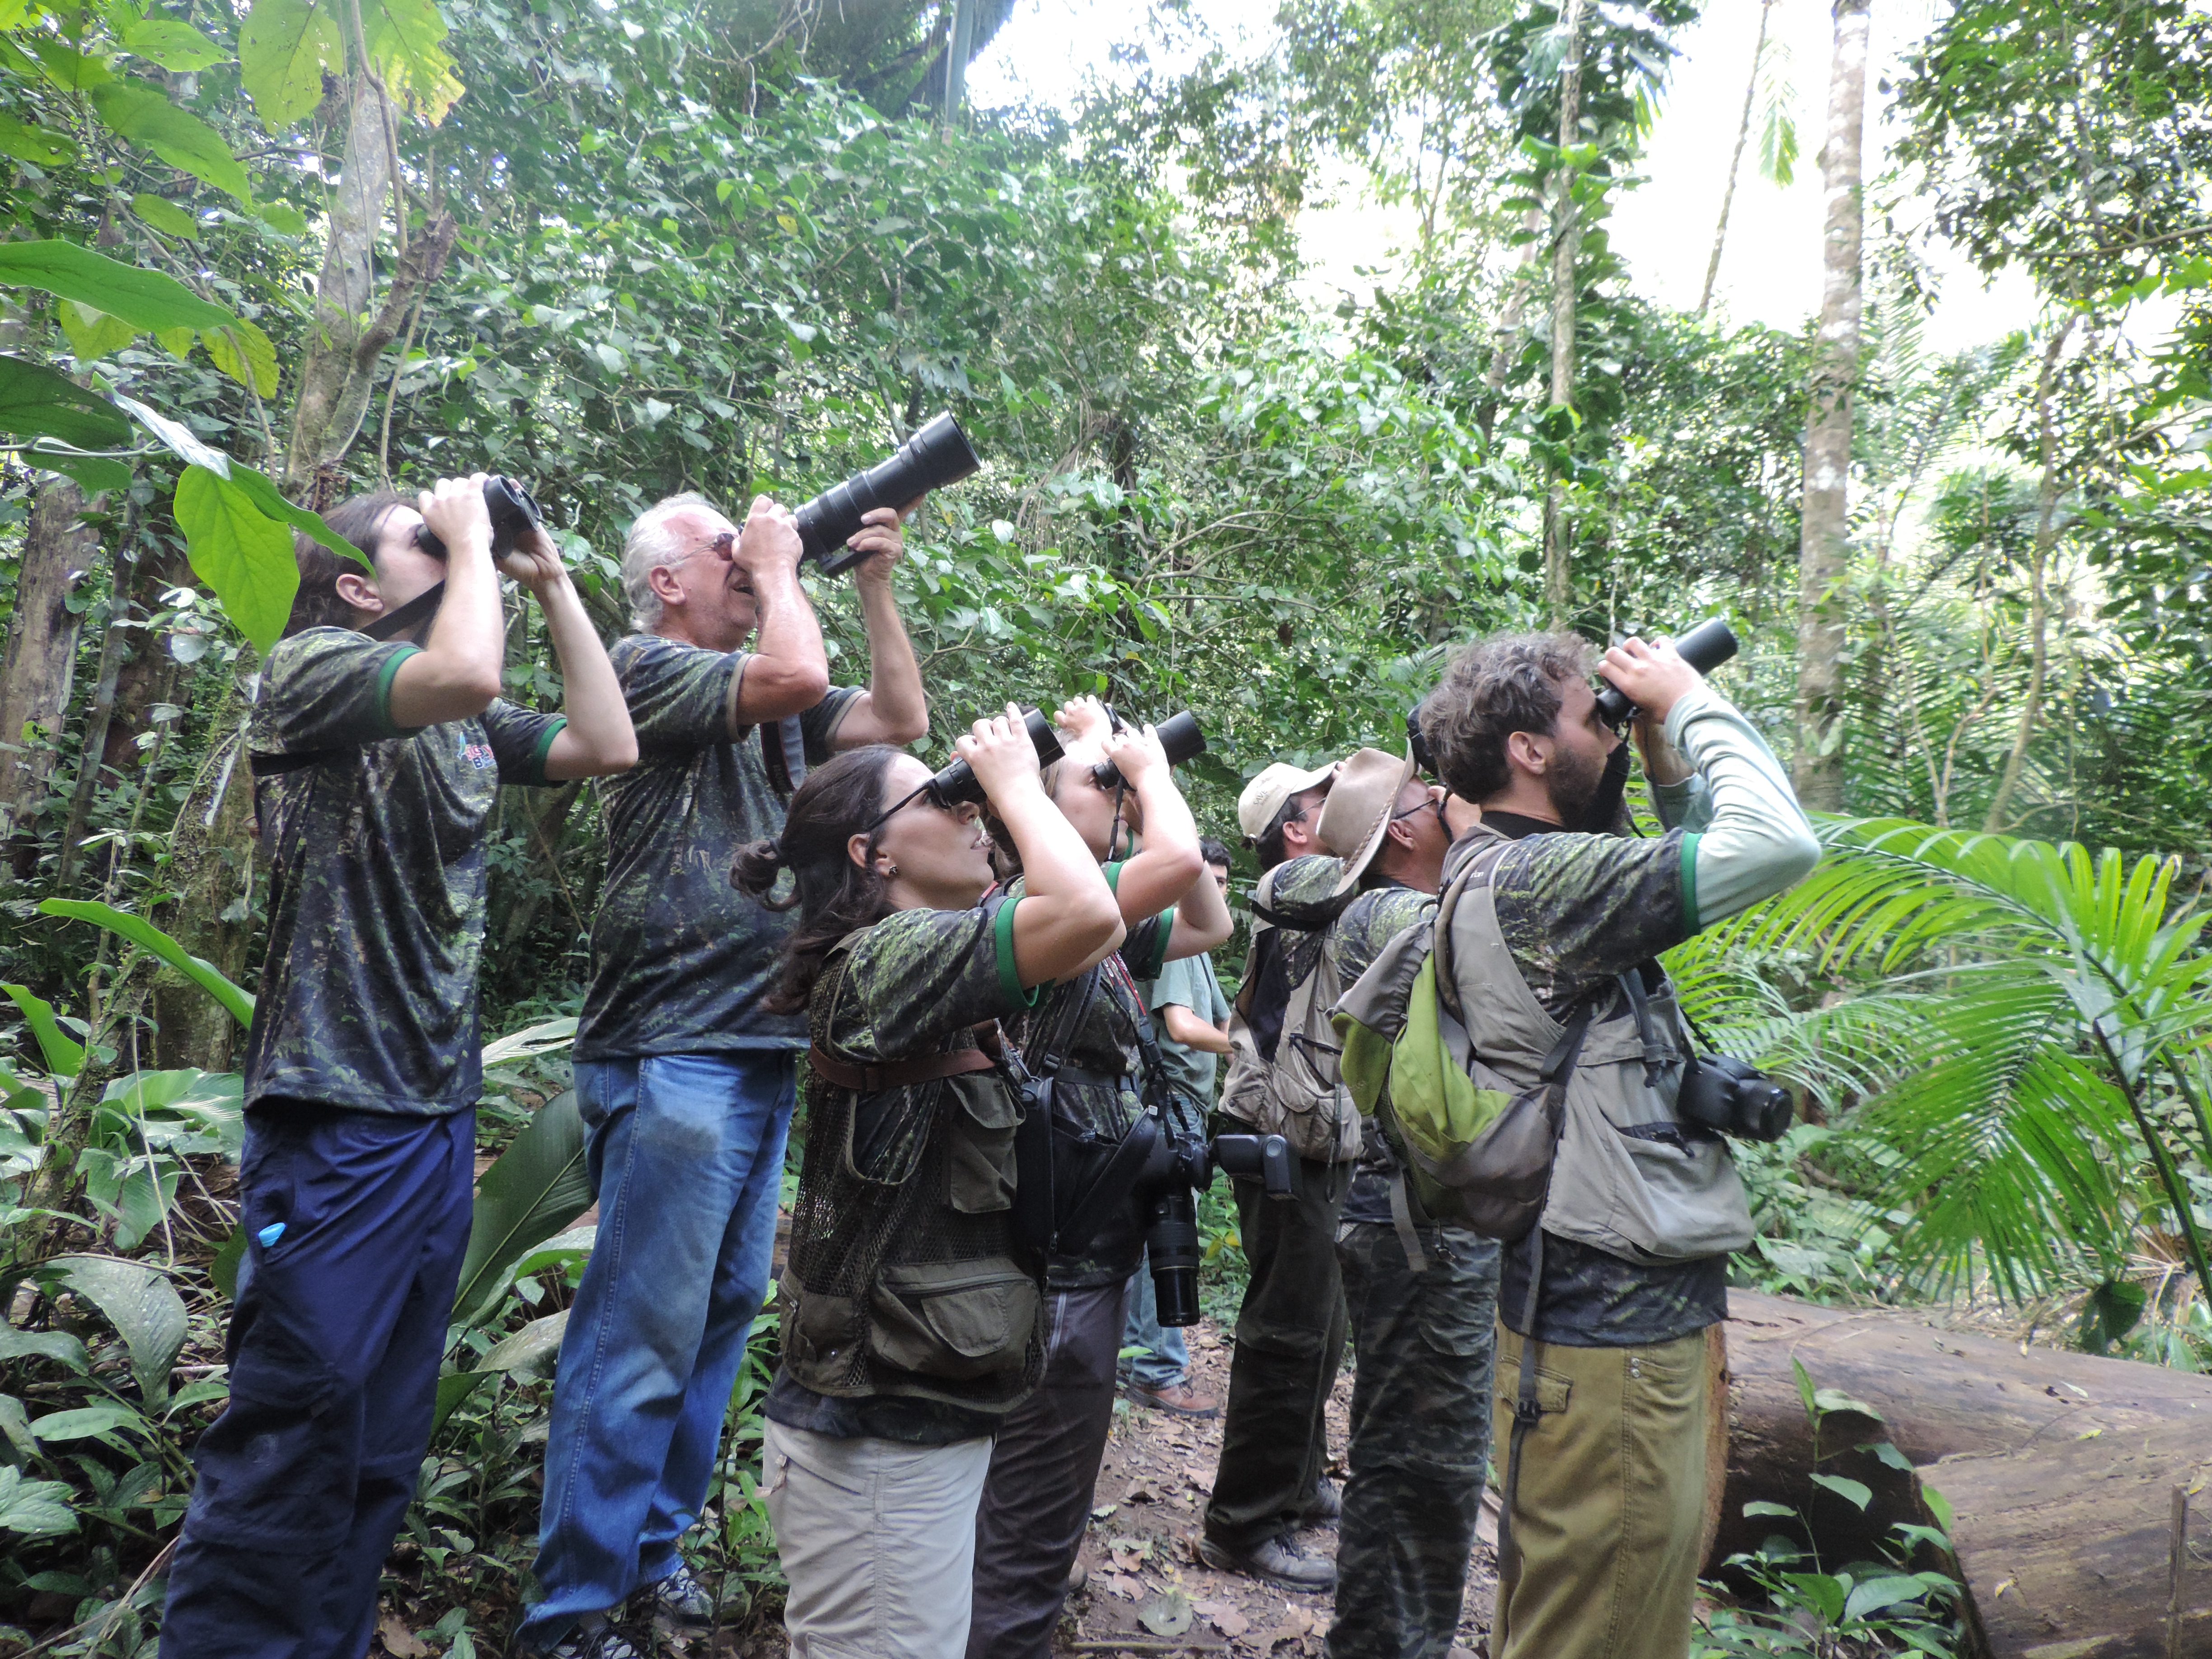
(913, 1324)
(1089, 1034)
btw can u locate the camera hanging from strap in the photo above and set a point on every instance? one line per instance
(1037, 1211)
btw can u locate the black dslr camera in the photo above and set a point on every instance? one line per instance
(1732, 1097)
(938, 455)
(513, 511)
(1178, 1163)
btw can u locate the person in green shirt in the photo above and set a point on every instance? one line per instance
(377, 766)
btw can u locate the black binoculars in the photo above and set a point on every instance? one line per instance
(1175, 1167)
(1704, 648)
(1179, 737)
(513, 510)
(938, 455)
(958, 782)
(1734, 1098)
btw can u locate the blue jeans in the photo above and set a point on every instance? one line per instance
(686, 1157)
(1164, 1359)
(333, 1348)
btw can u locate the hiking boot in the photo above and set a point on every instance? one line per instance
(590, 1637)
(1177, 1399)
(677, 1603)
(1323, 1504)
(1274, 1561)
(1078, 1576)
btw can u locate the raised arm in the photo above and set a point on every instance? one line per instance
(456, 674)
(893, 709)
(597, 738)
(1067, 919)
(788, 672)
(1170, 871)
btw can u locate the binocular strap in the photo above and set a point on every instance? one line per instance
(783, 750)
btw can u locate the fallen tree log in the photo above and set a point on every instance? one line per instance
(2043, 1443)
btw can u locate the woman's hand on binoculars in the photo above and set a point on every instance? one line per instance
(1000, 753)
(455, 512)
(535, 562)
(1136, 754)
(1084, 721)
(878, 536)
(1652, 676)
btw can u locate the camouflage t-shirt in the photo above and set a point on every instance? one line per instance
(1575, 911)
(680, 959)
(916, 978)
(1099, 1085)
(376, 855)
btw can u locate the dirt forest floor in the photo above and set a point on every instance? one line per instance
(1148, 1589)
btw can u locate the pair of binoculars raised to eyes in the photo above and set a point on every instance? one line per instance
(1178, 734)
(1704, 648)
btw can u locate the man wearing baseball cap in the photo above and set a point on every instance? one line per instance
(1289, 1331)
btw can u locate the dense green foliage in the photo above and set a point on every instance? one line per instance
(635, 250)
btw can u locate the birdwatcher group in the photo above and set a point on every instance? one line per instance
(1465, 1121)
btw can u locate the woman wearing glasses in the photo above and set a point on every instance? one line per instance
(1045, 1461)
(912, 1326)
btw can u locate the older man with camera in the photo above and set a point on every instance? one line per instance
(1555, 937)
(686, 1082)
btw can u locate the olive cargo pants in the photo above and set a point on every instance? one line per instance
(1611, 1507)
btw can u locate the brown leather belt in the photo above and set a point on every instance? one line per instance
(898, 1073)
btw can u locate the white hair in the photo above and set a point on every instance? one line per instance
(648, 547)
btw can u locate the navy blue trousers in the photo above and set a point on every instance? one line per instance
(355, 1224)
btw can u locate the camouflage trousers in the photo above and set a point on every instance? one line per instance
(1420, 1437)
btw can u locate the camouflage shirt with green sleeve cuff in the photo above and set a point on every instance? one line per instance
(377, 865)
(680, 959)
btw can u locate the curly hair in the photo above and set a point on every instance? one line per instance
(835, 895)
(1507, 684)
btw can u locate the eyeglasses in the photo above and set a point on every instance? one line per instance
(1434, 804)
(720, 546)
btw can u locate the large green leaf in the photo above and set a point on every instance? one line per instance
(241, 553)
(64, 1055)
(155, 942)
(140, 1302)
(174, 45)
(92, 334)
(531, 1352)
(406, 42)
(284, 51)
(36, 145)
(35, 1508)
(536, 1188)
(35, 402)
(266, 496)
(144, 299)
(142, 114)
(242, 351)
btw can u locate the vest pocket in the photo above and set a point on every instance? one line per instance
(956, 1320)
(980, 1151)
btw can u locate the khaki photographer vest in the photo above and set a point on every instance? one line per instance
(1627, 1179)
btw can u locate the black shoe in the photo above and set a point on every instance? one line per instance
(591, 1638)
(1323, 1504)
(1274, 1560)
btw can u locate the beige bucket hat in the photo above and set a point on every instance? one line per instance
(1360, 802)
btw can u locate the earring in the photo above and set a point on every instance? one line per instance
(890, 872)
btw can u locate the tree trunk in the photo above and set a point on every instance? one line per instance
(1736, 161)
(41, 656)
(1508, 332)
(113, 646)
(211, 871)
(1566, 244)
(2053, 1461)
(2038, 569)
(1824, 545)
(340, 372)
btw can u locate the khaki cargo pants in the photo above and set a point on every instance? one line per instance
(1611, 1500)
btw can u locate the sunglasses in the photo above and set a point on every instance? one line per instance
(927, 793)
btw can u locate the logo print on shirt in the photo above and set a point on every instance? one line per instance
(478, 755)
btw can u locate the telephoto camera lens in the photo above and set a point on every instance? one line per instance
(513, 511)
(958, 782)
(1704, 648)
(1172, 1250)
(938, 455)
(1179, 737)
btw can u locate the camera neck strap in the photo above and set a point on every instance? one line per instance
(410, 615)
